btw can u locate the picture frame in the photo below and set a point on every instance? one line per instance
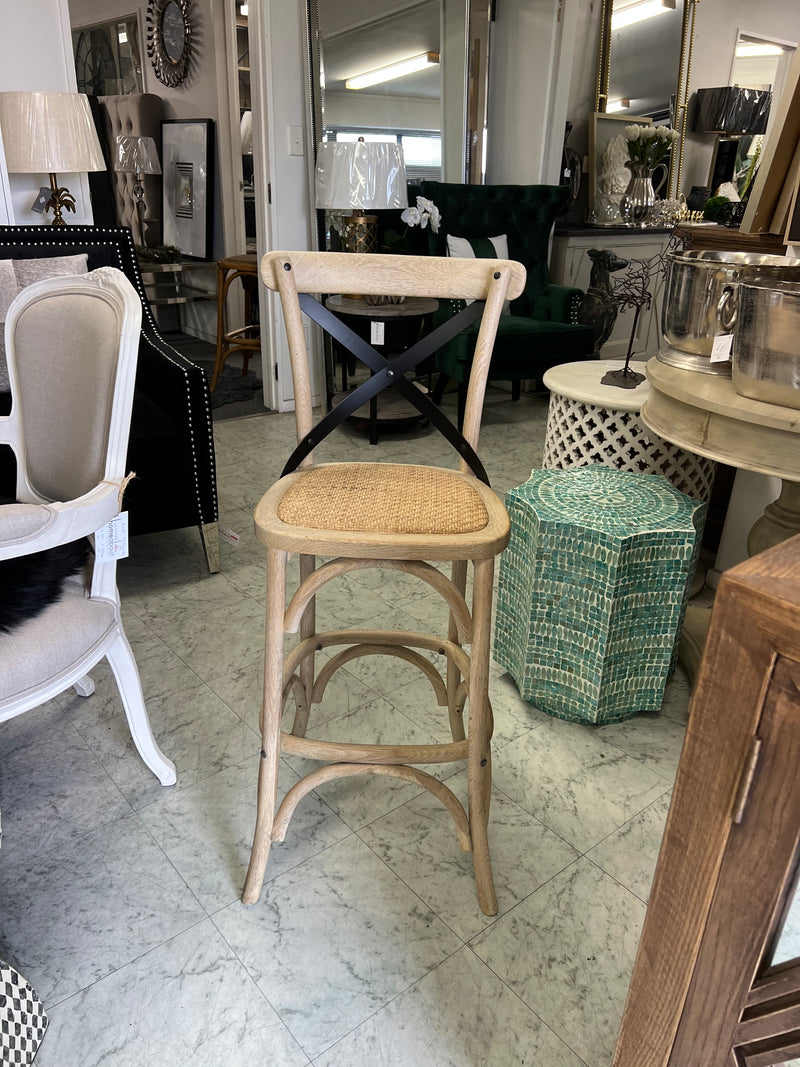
(603, 205)
(187, 166)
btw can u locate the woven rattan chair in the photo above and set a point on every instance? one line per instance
(382, 515)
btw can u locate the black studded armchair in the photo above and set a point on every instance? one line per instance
(542, 329)
(171, 441)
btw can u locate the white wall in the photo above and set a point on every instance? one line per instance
(37, 55)
(387, 112)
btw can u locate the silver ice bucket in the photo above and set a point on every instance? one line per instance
(700, 300)
(766, 341)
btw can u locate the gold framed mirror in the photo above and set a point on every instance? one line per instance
(644, 67)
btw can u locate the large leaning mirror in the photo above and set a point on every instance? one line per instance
(436, 111)
(643, 70)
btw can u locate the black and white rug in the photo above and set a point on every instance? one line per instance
(22, 1018)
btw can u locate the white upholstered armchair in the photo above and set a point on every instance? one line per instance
(71, 345)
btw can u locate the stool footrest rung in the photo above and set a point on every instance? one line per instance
(382, 755)
(346, 770)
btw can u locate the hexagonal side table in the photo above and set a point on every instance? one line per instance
(593, 590)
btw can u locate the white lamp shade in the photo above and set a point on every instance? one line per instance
(137, 155)
(50, 133)
(360, 174)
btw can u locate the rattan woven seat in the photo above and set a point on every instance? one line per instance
(389, 515)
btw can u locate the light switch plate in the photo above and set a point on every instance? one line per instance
(295, 140)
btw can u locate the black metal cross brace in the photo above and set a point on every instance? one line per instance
(388, 373)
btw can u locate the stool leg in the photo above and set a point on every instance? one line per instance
(455, 707)
(248, 287)
(219, 359)
(307, 629)
(479, 764)
(270, 725)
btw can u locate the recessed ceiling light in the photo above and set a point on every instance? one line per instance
(646, 9)
(393, 70)
(752, 50)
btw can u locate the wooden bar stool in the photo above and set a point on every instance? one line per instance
(246, 338)
(390, 515)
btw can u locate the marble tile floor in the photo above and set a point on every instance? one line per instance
(119, 899)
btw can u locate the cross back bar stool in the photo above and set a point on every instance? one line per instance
(245, 338)
(382, 515)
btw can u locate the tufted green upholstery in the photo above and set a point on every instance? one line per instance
(542, 329)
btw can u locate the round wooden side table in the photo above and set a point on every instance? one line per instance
(703, 413)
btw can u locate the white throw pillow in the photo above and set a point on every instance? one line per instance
(474, 248)
(29, 271)
(8, 290)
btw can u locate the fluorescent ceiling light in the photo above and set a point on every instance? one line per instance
(617, 105)
(244, 11)
(646, 9)
(752, 50)
(393, 70)
(122, 37)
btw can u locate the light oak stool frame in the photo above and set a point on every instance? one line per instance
(382, 515)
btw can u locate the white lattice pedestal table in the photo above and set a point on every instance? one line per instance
(593, 423)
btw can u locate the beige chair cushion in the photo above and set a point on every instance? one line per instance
(383, 498)
(45, 647)
(16, 274)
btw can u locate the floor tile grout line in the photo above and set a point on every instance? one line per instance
(524, 1002)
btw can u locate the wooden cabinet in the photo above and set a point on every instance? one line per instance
(708, 988)
(570, 265)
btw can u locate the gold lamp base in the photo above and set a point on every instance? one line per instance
(360, 233)
(60, 198)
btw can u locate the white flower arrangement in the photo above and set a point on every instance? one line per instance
(425, 212)
(649, 144)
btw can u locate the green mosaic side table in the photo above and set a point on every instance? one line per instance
(593, 590)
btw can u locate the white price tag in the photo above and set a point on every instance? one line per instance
(721, 348)
(111, 540)
(229, 535)
(376, 332)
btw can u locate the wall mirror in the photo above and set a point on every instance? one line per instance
(643, 67)
(108, 59)
(437, 112)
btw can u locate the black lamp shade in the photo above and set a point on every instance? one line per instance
(731, 110)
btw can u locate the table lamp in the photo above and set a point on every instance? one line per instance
(139, 156)
(49, 133)
(359, 176)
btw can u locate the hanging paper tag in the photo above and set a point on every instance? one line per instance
(721, 348)
(229, 535)
(111, 540)
(376, 333)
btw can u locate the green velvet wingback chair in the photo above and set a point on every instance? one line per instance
(542, 329)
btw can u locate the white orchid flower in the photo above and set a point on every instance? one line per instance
(411, 216)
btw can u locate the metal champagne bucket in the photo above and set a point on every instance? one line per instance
(700, 301)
